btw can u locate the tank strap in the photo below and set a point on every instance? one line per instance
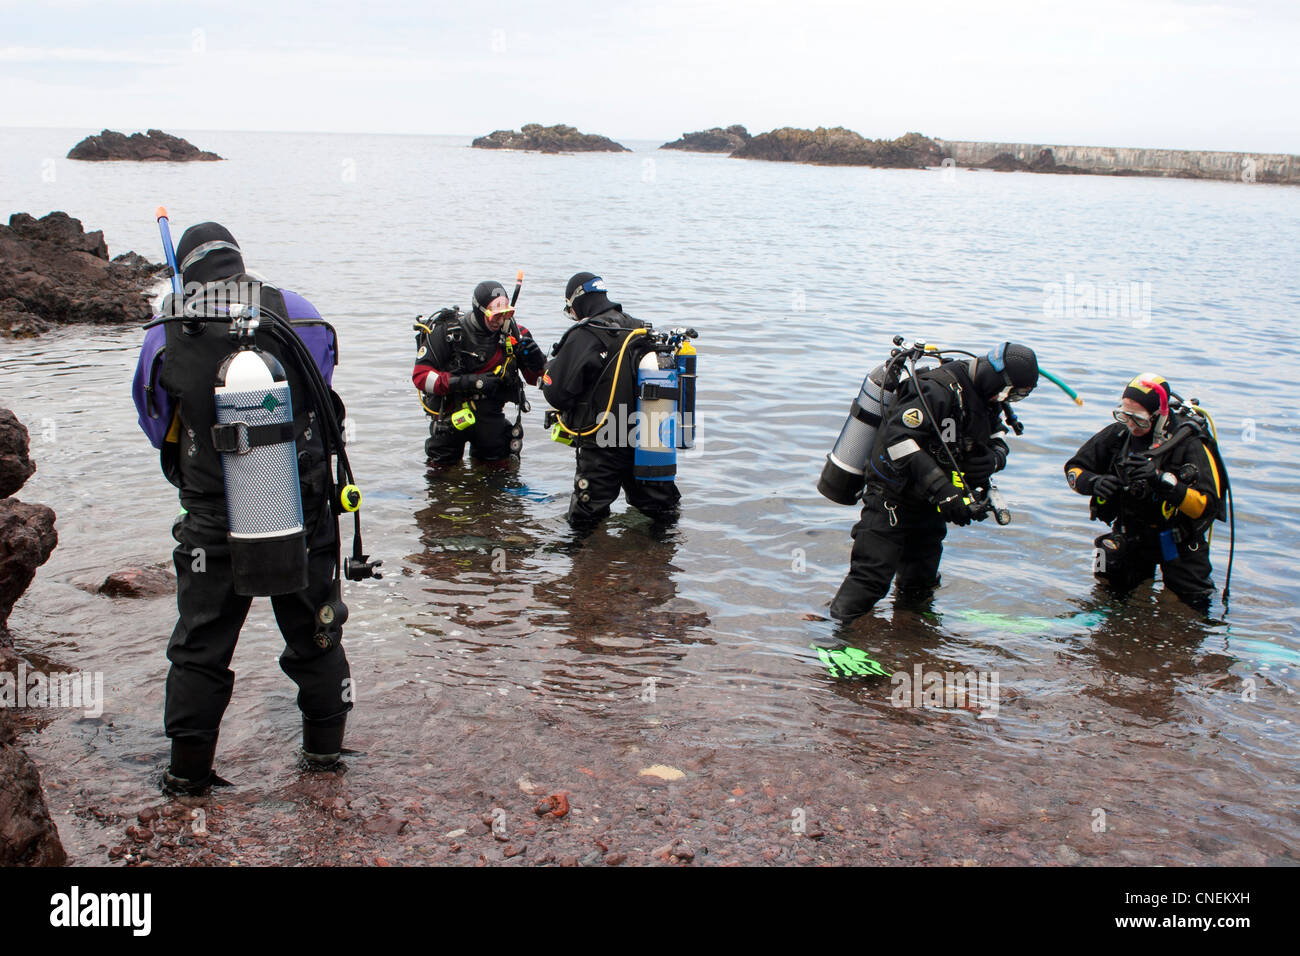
(652, 391)
(656, 471)
(864, 416)
(240, 437)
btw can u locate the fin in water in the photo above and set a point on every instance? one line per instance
(849, 662)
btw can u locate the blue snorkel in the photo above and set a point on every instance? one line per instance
(169, 249)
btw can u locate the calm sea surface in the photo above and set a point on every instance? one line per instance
(575, 667)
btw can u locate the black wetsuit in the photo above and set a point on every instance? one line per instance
(901, 532)
(455, 352)
(578, 382)
(1144, 513)
(200, 681)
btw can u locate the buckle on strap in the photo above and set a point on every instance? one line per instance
(652, 391)
(240, 437)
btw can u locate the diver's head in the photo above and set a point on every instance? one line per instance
(491, 306)
(208, 252)
(1008, 373)
(585, 296)
(1144, 404)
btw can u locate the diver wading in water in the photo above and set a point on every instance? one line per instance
(624, 398)
(467, 366)
(921, 451)
(1156, 477)
(232, 388)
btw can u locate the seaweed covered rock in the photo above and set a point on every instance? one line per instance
(549, 139)
(155, 146)
(1005, 163)
(52, 271)
(715, 140)
(842, 147)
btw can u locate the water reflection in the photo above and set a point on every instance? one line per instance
(619, 596)
(1144, 649)
(479, 540)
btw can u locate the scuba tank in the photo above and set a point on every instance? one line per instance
(658, 389)
(844, 473)
(259, 463)
(665, 413)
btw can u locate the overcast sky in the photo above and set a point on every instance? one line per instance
(1161, 73)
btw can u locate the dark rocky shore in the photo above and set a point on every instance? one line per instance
(715, 140)
(53, 272)
(842, 147)
(27, 538)
(155, 146)
(549, 139)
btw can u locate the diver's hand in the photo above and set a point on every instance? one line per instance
(530, 353)
(952, 505)
(1106, 487)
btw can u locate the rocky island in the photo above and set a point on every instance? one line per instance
(715, 140)
(155, 146)
(53, 272)
(842, 147)
(549, 139)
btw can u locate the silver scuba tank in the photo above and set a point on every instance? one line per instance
(259, 463)
(844, 473)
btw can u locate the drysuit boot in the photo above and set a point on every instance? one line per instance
(190, 771)
(322, 740)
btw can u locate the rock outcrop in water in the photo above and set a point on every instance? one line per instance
(28, 836)
(1044, 162)
(27, 538)
(155, 146)
(715, 140)
(549, 139)
(54, 272)
(27, 535)
(842, 147)
(139, 583)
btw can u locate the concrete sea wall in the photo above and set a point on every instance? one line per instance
(1112, 160)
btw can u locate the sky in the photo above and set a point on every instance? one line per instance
(1150, 73)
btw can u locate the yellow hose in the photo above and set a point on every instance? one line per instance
(612, 389)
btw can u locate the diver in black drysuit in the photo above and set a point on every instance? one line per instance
(174, 393)
(1152, 475)
(463, 359)
(577, 382)
(911, 495)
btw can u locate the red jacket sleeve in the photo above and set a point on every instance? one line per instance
(420, 377)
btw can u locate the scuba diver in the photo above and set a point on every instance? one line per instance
(232, 386)
(466, 368)
(1156, 477)
(607, 370)
(921, 452)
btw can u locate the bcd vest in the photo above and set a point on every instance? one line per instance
(194, 352)
(451, 345)
(610, 330)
